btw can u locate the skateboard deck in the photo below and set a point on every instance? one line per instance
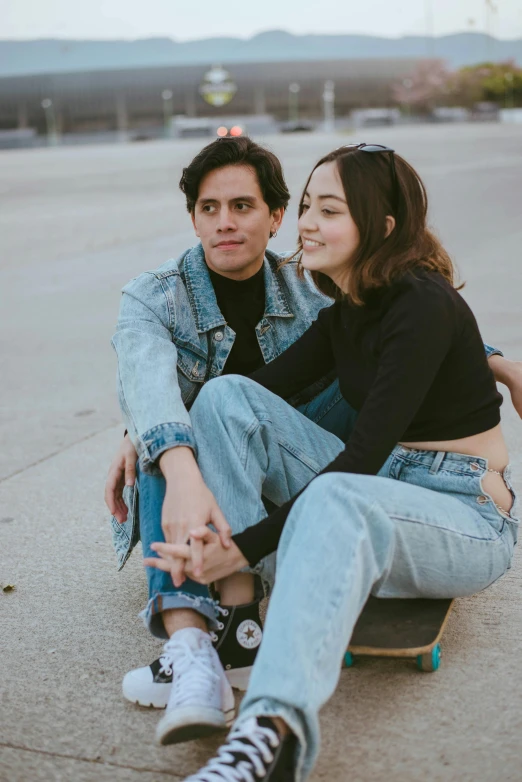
(401, 628)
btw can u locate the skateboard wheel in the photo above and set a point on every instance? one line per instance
(430, 661)
(348, 660)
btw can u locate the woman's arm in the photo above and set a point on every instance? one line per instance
(307, 360)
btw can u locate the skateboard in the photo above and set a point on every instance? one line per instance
(401, 628)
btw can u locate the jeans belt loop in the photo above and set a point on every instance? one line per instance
(437, 462)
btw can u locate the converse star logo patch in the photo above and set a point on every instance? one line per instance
(249, 634)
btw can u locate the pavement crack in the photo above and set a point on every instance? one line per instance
(56, 453)
(94, 761)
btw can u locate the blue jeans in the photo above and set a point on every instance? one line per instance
(328, 409)
(424, 527)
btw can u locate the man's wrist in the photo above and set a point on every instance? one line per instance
(177, 462)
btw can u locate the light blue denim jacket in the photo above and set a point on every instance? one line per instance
(171, 338)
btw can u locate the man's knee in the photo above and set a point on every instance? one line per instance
(221, 395)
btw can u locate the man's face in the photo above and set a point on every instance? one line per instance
(233, 221)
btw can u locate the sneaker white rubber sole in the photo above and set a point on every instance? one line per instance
(156, 696)
(149, 694)
(192, 722)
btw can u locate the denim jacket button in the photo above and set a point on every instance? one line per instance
(218, 336)
(481, 499)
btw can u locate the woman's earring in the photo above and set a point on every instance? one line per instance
(273, 234)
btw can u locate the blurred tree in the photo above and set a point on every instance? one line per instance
(499, 82)
(422, 91)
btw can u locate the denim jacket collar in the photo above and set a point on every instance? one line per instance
(201, 294)
(203, 299)
(276, 301)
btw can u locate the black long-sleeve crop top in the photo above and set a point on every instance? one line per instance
(411, 362)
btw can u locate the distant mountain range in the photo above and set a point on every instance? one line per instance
(23, 58)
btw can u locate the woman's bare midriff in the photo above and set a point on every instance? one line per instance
(488, 445)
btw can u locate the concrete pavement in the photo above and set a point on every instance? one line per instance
(75, 225)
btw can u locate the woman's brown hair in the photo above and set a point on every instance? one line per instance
(372, 193)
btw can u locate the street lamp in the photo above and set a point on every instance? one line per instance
(50, 120)
(167, 111)
(293, 101)
(408, 84)
(508, 101)
(329, 106)
(428, 10)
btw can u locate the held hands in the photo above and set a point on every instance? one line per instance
(205, 560)
(189, 505)
(122, 472)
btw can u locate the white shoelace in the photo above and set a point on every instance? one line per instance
(197, 663)
(166, 660)
(256, 748)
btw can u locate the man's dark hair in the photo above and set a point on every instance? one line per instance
(240, 151)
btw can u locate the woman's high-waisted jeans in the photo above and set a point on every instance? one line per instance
(424, 527)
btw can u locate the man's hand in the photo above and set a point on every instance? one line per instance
(188, 505)
(509, 373)
(122, 472)
(205, 559)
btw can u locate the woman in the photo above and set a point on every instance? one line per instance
(417, 503)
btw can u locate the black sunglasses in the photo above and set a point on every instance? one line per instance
(379, 148)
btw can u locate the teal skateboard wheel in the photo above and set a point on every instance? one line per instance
(430, 661)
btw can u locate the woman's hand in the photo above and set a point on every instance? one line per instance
(122, 472)
(206, 560)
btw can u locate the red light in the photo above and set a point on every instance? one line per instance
(222, 131)
(236, 131)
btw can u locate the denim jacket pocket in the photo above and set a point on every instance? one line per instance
(192, 371)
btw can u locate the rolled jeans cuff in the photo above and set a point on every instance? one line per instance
(152, 614)
(159, 439)
(268, 707)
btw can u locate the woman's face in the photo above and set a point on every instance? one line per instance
(327, 230)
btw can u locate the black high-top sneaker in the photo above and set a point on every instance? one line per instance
(254, 749)
(236, 640)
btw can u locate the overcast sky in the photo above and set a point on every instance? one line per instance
(184, 20)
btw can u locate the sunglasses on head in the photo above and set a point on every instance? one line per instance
(378, 148)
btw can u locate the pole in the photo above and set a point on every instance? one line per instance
(329, 107)
(50, 120)
(430, 43)
(508, 102)
(293, 102)
(408, 84)
(168, 110)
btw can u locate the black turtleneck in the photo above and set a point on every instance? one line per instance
(242, 303)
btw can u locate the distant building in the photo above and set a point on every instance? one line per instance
(130, 99)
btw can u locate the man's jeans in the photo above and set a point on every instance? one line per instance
(423, 527)
(329, 410)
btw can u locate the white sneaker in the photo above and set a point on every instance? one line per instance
(150, 685)
(236, 639)
(201, 699)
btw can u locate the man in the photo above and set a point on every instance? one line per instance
(222, 307)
